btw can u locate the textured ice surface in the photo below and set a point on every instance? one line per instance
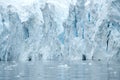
(59, 29)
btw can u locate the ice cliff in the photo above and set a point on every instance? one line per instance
(59, 29)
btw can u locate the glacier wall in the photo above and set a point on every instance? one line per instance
(59, 29)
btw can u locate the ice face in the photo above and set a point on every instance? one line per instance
(59, 29)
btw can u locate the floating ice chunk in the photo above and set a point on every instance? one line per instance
(84, 63)
(8, 68)
(90, 64)
(20, 75)
(63, 66)
(110, 68)
(115, 72)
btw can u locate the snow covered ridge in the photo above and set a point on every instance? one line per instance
(59, 29)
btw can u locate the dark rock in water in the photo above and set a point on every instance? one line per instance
(29, 59)
(83, 57)
(99, 59)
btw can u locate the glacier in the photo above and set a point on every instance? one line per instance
(33, 30)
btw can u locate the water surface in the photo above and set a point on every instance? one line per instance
(56, 70)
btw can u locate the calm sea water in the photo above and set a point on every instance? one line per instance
(56, 70)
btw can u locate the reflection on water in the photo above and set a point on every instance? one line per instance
(72, 70)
